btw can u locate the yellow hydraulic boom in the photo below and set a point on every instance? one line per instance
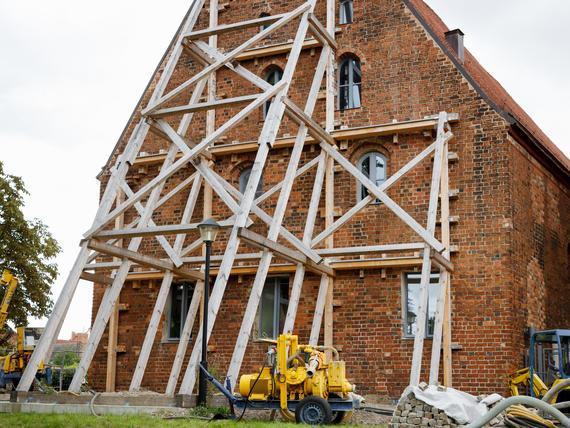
(12, 282)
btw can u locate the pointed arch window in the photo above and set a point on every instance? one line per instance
(272, 77)
(373, 166)
(346, 11)
(264, 26)
(349, 82)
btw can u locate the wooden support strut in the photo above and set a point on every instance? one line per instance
(143, 259)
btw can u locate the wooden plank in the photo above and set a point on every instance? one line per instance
(395, 208)
(303, 118)
(426, 266)
(445, 238)
(95, 278)
(319, 309)
(184, 338)
(153, 324)
(321, 33)
(307, 233)
(376, 263)
(437, 329)
(169, 229)
(344, 251)
(329, 185)
(143, 259)
(283, 251)
(210, 105)
(441, 261)
(277, 49)
(211, 31)
(390, 181)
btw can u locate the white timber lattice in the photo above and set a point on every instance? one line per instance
(106, 235)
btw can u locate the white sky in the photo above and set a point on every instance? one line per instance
(72, 71)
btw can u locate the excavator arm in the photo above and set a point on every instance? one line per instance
(12, 283)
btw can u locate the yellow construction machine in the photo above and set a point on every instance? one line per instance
(300, 382)
(549, 364)
(12, 365)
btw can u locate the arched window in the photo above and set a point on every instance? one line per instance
(349, 79)
(373, 166)
(274, 76)
(244, 179)
(346, 12)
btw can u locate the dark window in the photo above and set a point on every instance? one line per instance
(264, 26)
(273, 307)
(244, 179)
(272, 77)
(346, 11)
(373, 166)
(349, 82)
(180, 298)
(412, 298)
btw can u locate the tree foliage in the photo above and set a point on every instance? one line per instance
(26, 248)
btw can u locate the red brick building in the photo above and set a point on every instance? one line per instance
(509, 212)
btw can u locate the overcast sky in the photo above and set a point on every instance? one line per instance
(72, 71)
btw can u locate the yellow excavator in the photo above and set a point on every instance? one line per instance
(12, 365)
(549, 364)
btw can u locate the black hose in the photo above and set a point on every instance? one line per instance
(251, 389)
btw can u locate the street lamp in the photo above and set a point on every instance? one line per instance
(208, 231)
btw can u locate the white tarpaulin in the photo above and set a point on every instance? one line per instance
(463, 407)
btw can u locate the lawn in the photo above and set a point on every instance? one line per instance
(27, 420)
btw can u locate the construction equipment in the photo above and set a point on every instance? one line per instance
(549, 364)
(299, 381)
(11, 282)
(12, 365)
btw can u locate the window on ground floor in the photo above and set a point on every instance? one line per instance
(411, 294)
(180, 298)
(273, 307)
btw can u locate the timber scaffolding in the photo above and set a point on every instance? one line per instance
(105, 237)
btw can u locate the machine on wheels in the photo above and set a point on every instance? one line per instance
(300, 382)
(549, 364)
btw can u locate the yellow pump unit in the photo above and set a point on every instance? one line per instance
(301, 378)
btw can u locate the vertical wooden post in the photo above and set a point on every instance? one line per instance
(114, 320)
(329, 180)
(426, 265)
(446, 240)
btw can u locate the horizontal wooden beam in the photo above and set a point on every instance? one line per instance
(345, 251)
(277, 49)
(170, 229)
(143, 259)
(192, 108)
(376, 264)
(99, 279)
(283, 251)
(220, 29)
(405, 127)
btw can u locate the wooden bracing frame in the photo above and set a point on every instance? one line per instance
(118, 198)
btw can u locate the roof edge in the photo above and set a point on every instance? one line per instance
(515, 125)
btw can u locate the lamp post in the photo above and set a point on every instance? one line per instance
(208, 231)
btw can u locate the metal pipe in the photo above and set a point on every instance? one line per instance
(520, 399)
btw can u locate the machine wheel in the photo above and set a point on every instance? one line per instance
(340, 417)
(313, 410)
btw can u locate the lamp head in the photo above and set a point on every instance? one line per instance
(208, 230)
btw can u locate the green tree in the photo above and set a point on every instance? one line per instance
(26, 248)
(71, 359)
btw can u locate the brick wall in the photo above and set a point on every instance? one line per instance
(512, 234)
